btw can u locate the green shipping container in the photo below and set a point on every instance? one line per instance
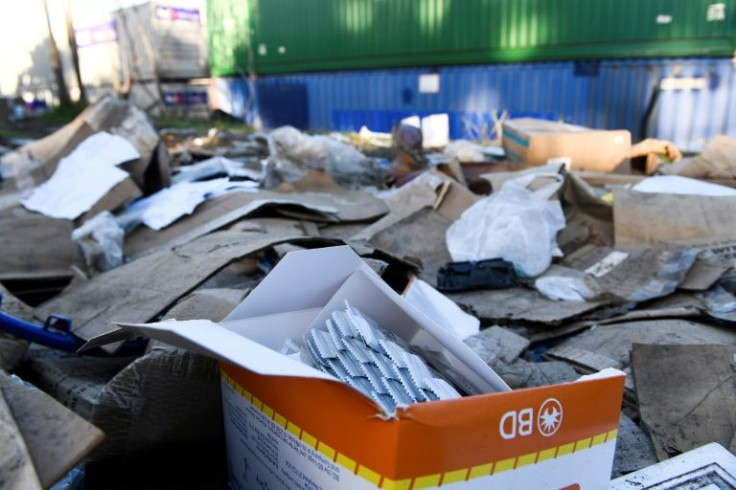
(287, 36)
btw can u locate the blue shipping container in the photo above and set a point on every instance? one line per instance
(611, 94)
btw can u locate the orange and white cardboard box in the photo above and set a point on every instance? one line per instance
(290, 426)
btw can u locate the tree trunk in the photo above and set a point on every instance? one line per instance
(64, 99)
(75, 55)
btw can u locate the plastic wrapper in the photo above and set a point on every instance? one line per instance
(513, 224)
(294, 154)
(354, 349)
(101, 242)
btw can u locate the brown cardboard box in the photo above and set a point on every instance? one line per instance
(536, 141)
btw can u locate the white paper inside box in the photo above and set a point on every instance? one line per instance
(289, 425)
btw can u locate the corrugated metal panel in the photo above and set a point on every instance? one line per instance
(296, 36)
(229, 33)
(605, 94)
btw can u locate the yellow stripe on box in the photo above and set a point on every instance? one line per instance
(294, 429)
(309, 439)
(612, 435)
(480, 470)
(369, 475)
(257, 403)
(547, 454)
(505, 465)
(280, 420)
(268, 411)
(427, 481)
(599, 439)
(565, 449)
(346, 462)
(526, 460)
(389, 484)
(326, 450)
(460, 475)
(583, 444)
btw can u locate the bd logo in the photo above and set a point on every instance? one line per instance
(522, 422)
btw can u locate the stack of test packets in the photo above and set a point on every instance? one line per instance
(354, 349)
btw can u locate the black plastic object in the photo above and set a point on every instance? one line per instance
(484, 274)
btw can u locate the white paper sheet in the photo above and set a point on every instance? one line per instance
(161, 209)
(83, 177)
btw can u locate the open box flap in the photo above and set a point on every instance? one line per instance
(213, 340)
(371, 295)
(302, 280)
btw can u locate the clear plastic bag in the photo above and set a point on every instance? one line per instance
(513, 224)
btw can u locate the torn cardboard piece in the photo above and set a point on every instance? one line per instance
(644, 219)
(610, 345)
(715, 162)
(34, 163)
(589, 218)
(520, 305)
(52, 254)
(140, 290)
(274, 383)
(56, 438)
(496, 344)
(418, 239)
(635, 276)
(649, 154)
(634, 450)
(686, 395)
(16, 464)
(150, 404)
(538, 141)
(343, 206)
(431, 189)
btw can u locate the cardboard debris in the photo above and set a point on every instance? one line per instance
(16, 464)
(145, 287)
(52, 255)
(635, 276)
(589, 218)
(36, 162)
(686, 395)
(496, 344)
(524, 374)
(56, 438)
(634, 450)
(210, 304)
(431, 189)
(610, 345)
(708, 467)
(166, 398)
(418, 239)
(224, 210)
(520, 305)
(538, 141)
(648, 155)
(642, 220)
(706, 272)
(715, 162)
(241, 278)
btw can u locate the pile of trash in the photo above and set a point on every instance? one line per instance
(133, 258)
